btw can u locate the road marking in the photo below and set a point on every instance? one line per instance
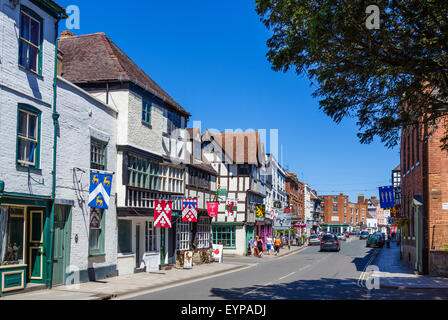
(286, 276)
(363, 274)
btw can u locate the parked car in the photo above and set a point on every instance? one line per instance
(364, 235)
(347, 234)
(375, 240)
(314, 240)
(382, 237)
(341, 236)
(330, 242)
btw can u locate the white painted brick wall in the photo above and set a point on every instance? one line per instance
(80, 118)
(20, 86)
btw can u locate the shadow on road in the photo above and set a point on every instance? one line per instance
(323, 289)
(360, 263)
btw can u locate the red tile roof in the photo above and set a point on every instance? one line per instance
(95, 58)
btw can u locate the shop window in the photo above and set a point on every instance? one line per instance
(203, 233)
(124, 236)
(28, 129)
(12, 224)
(96, 232)
(30, 56)
(225, 235)
(151, 237)
(183, 236)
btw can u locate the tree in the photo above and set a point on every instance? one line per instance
(388, 78)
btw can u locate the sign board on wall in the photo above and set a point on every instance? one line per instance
(445, 206)
(283, 221)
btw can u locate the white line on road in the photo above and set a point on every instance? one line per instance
(286, 276)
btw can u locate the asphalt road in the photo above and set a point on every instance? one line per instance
(306, 275)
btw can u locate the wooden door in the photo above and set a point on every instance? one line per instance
(36, 263)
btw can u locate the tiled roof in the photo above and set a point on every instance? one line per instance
(95, 58)
(241, 147)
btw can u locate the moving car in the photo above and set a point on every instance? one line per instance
(341, 236)
(314, 240)
(375, 240)
(364, 235)
(330, 242)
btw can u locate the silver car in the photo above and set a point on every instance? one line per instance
(341, 236)
(314, 240)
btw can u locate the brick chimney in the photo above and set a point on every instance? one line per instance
(66, 34)
(361, 198)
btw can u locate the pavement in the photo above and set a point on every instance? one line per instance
(393, 275)
(116, 287)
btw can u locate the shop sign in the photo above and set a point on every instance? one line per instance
(222, 192)
(188, 260)
(445, 206)
(217, 252)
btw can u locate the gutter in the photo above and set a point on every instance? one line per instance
(55, 117)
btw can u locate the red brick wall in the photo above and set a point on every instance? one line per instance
(341, 213)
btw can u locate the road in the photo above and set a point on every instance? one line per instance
(306, 275)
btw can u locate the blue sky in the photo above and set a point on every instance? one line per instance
(210, 56)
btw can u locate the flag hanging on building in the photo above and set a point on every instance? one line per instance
(261, 209)
(190, 210)
(99, 192)
(387, 198)
(212, 209)
(231, 207)
(162, 213)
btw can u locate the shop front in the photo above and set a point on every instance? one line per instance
(24, 243)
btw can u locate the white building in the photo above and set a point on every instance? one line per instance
(27, 133)
(148, 118)
(276, 196)
(309, 206)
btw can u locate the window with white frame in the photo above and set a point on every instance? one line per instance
(203, 233)
(183, 236)
(151, 237)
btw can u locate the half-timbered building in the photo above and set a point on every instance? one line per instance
(238, 159)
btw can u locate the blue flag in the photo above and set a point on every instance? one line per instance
(387, 198)
(100, 188)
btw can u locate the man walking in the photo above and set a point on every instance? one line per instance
(277, 244)
(251, 245)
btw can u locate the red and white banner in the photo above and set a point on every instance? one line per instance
(162, 213)
(212, 209)
(190, 210)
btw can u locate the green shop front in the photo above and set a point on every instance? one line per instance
(24, 242)
(335, 227)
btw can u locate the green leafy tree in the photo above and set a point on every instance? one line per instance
(387, 78)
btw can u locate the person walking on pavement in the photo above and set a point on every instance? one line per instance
(297, 239)
(256, 252)
(260, 247)
(268, 244)
(251, 245)
(277, 244)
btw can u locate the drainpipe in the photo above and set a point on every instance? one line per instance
(425, 228)
(55, 142)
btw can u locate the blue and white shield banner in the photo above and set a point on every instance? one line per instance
(100, 188)
(387, 198)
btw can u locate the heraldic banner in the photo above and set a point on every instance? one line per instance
(99, 192)
(231, 207)
(212, 209)
(162, 213)
(190, 210)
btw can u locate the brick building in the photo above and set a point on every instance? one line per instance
(424, 200)
(296, 192)
(336, 213)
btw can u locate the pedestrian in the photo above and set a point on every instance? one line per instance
(260, 247)
(269, 244)
(297, 239)
(251, 244)
(256, 252)
(277, 244)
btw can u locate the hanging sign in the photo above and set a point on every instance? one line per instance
(261, 210)
(212, 209)
(95, 219)
(162, 213)
(387, 198)
(190, 210)
(231, 207)
(222, 192)
(99, 192)
(188, 260)
(217, 252)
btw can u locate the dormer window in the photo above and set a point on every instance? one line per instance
(30, 40)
